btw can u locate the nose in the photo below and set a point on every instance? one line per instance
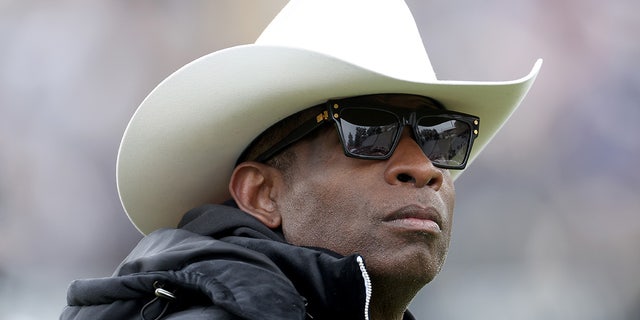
(409, 165)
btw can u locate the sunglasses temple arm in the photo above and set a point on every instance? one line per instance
(294, 136)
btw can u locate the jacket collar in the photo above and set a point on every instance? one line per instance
(334, 286)
(329, 282)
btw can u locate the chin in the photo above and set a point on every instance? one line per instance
(428, 268)
(415, 272)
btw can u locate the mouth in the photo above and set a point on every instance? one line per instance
(416, 218)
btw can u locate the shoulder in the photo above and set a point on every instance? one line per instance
(207, 277)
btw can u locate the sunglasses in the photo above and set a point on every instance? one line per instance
(373, 132)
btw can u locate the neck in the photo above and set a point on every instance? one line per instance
(389, 300)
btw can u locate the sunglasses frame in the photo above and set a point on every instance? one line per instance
(406, 117)
(333, 108)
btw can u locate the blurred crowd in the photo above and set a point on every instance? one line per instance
(547, 219)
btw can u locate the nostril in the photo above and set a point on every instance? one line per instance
(403, 177)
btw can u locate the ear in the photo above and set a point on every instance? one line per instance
(253, 186)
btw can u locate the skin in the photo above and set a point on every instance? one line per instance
(354, 206)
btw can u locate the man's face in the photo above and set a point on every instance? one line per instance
(396, 213)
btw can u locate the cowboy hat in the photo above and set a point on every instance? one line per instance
(181, 145)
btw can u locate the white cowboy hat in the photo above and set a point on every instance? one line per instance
(182, 143)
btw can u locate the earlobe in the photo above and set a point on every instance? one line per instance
(252, 186)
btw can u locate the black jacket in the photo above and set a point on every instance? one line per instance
(222, 263)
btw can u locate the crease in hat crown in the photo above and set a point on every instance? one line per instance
(180, 146)
(377, 35)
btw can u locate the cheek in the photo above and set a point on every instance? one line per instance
(448, 190)
(313, 213)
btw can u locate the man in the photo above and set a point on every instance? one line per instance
(334, 149)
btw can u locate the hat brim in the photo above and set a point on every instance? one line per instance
(181, 145)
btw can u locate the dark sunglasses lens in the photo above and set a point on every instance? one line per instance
(445, 141)
(368, 132)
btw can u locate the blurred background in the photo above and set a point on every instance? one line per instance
(547, 219)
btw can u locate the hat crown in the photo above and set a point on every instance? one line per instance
(379, 35)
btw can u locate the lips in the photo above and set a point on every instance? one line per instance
(416, 218)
